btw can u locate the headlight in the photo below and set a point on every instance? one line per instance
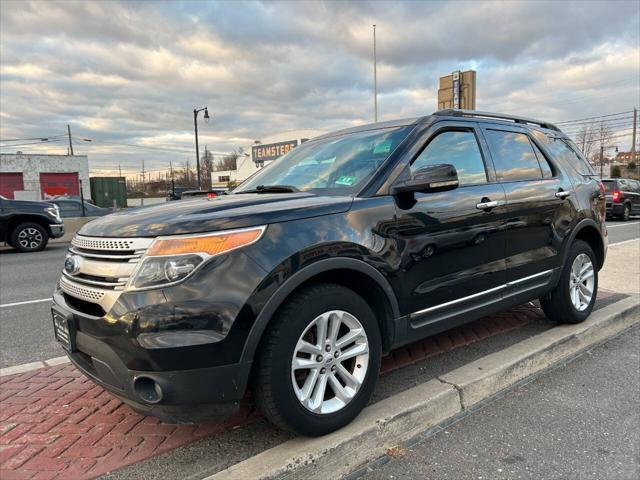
(53, 211)
(170, 260)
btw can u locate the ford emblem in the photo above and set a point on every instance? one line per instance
(72, 265)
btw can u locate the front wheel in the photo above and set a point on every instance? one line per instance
(573, 298)
(319, 361)
(29, 237)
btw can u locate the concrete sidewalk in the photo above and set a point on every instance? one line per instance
(581, 420)
(621, 272)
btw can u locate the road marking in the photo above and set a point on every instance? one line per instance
(15, 304)
(624, 225)
(624, 241)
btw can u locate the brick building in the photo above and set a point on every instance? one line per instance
(38, 177)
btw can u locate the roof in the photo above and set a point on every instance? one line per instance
(452, 113)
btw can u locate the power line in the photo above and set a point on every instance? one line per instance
(32, 138)
(147, 147)
(12, 145)
(610, 138)
(615, 126)
(591, 118)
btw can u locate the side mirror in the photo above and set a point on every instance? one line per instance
(432, 178)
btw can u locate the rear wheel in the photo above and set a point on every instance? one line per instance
(29, 237)
(626, 213)
(319, 361)
(573, 298)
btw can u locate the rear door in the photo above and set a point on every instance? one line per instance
(539, 208)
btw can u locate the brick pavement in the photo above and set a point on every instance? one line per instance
(56, 424)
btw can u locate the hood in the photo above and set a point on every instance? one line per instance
(31, 204)
(213, 214)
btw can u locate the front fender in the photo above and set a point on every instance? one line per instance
(303, 275)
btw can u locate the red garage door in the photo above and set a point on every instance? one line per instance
(52, 184)
(9, 183)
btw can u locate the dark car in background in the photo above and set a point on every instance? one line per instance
(623, 197)
(27, 226)
(72, 207)
(347, 247)
(175, 193)
(211, 193)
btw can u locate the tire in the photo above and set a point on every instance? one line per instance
(29, 237)
(560, 304)
(626, 213)
(278, 388)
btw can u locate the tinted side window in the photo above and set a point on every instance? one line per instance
(68, 207)
(542, 160)
(459, 149)
(513, 156)
(566, 153)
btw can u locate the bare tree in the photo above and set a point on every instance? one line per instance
(586, 140)
(603, 134)
(229, 162)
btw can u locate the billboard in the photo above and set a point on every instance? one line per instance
(271, 151)
(458, 90)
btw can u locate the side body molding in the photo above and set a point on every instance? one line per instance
(297, 279)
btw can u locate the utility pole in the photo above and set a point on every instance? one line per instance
(70, 144)
(633, 137)
(119, 170)
(375, 77)
(601, 160)
(173, 186)
(142, 197)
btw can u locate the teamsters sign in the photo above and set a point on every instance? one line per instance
(265, 153)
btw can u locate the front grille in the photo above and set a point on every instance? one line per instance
(83, 293)
(105, 266)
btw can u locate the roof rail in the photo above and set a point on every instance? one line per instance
(451, 112)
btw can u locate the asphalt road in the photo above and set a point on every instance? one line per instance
(25, 329)
(579, 421)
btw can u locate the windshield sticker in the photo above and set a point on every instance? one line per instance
(346, 180)
(382, 147)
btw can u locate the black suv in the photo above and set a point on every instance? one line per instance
(351, 245)
(622, 197)
(27, 226)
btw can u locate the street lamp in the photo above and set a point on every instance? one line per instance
(602, 149)
(195, 125)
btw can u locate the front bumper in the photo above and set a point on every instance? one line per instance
(184, 395)
(56, 230)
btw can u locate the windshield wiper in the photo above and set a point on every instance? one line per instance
(272, 189)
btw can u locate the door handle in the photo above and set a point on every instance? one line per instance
(562, 194)
(486, 205)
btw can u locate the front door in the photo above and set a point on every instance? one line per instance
(452, 243)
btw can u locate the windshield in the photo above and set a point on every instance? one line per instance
(331, 166)
(609, 185)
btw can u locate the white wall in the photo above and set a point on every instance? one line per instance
(31, 165)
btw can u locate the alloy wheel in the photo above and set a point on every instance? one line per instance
(330, 362)
(581, 282)
(30, 238)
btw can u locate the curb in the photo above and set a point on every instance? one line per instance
(401, 417)
(27, 367)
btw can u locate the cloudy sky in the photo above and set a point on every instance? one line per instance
(131, 73)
